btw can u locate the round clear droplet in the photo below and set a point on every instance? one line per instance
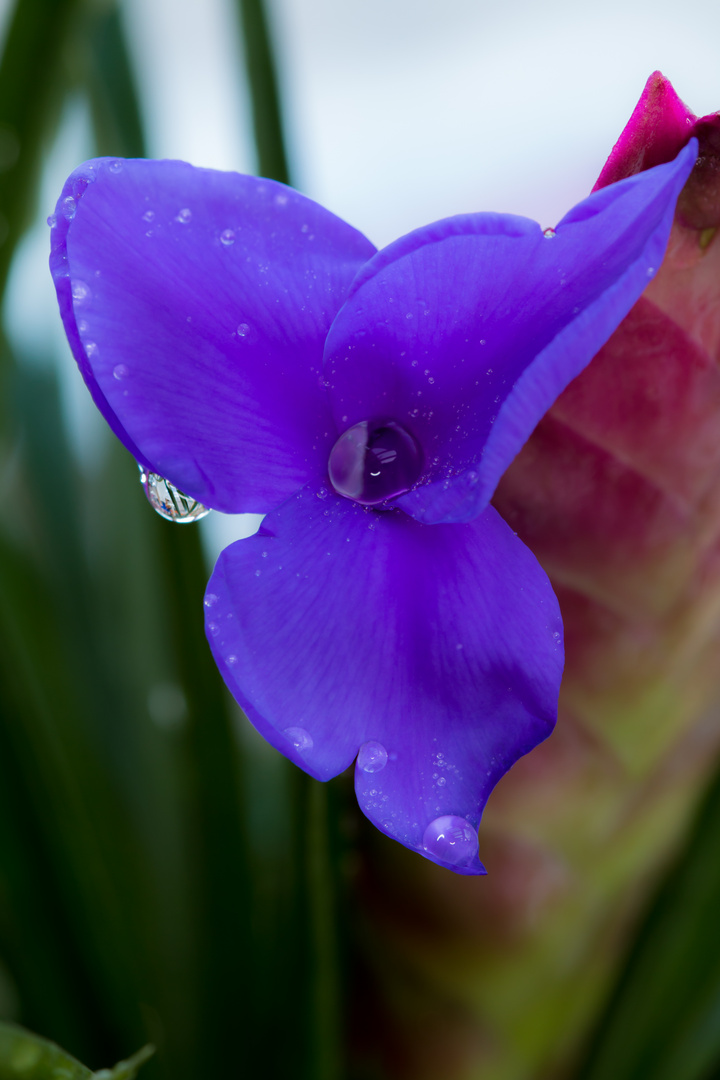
(374, 461)
(452, 839)
(227, 237)
(372, 757)
(184, 216)
(299, 737)
(168, 501)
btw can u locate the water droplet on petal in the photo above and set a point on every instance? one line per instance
(149, 215)
(243, 330)
(184, 216)
(120, 371)
(372, 462)
(372, 757)
(227, 237)
(115, 166)
(452, 839)
(548, 233)
(69, 206)
(80, 291)
(52, 221)
(299, 737)
(210, 600)
(168, 501)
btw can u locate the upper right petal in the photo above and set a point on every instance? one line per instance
(196, 303)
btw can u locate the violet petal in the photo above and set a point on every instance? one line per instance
(465, 332)
(438, 651)
(196, 303)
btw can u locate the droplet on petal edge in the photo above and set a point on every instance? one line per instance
(299, 737)
(372, 757)
(451, 839)
(168, 501)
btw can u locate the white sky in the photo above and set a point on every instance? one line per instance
(400, 112)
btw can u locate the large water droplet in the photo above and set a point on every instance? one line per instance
(227, 237)
(372, 757)
(169, 502)
(452, 839)
(299, 737)
(374, 461)
(184, 216)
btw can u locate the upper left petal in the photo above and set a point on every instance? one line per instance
(196, 303)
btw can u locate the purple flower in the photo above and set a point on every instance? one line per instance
(257, 352)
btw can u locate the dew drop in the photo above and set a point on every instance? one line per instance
(52, 221)
(80, 291)
(372, 462)
(227, 237)
(452, 839)
(548, 233)
(299, 737)
(441, 781)
(115, 166)
(120, 371)
(184, 216)
(149, 215)
(167, 500)
(210, 600)
(91, 348)
(69, 206)
(372, 757)
(243, 330)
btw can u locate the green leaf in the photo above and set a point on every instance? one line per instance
(264, 92)
(663, 1019)
(32, 81)
(24, 1056)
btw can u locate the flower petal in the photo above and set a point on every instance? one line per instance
(659, 127)
(467, 331)
(337, 627)
(196, 303)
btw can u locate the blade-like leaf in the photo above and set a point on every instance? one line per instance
(24, 1056)
(663, 1020)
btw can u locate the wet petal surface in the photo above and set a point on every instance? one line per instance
(465, 332)
(434, 655)
(196, 303)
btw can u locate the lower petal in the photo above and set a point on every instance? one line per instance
(435, 651)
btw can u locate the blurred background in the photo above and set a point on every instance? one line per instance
(163, 875)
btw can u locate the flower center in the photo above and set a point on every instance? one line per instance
(374, 461)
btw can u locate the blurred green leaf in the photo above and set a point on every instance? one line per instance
(111, 86)
(24, 1056)
(31, 96)
(264, 92)
(663, 1020)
